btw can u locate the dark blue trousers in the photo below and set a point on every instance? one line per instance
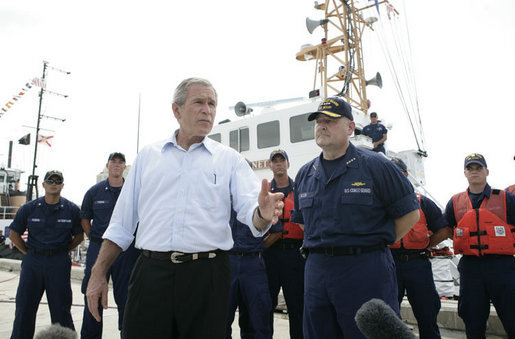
(285, 268)
(249, 292)
(41, 273)
(337, 286)
(485, 279)
(120, 272)
(415, 278)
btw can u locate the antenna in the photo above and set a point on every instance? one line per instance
(33, 178)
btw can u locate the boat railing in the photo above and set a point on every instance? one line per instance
(8, 212)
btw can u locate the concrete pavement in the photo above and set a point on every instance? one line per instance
(450, 324)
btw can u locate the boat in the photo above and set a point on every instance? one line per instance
(11, 199)
(339, 58)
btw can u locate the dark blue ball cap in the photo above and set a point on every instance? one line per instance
(334, 107)
(116, 155)
(475, 158)
(279, 152)
(400, 164)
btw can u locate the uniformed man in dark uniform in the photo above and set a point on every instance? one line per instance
(54, 229)
(377, 132)
(249, 285)
(414, 272)
(483, 219)
(284, 263)
(98, 204)
(352, 203)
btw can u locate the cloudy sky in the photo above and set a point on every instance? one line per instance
(462, 52)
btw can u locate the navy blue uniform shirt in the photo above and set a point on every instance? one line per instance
(98, 204)
(50, 227)
(476, 200)
(374, 131)
(434, 218)
(243, 239)
(356, 206)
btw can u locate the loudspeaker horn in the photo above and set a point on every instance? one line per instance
(312, 24)
(241, 109)
(376, 81)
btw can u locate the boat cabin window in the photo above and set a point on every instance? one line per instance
(239, 139)
(216, 137)
(268, 134)
(301, 129)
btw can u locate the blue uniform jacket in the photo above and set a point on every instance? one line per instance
(357, 206)
(244, 241)
(476, 201)
(98, 204)
(374, 131)
(51, 227)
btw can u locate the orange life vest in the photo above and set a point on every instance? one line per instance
(418, 236)
(483, 230)
(291, 230)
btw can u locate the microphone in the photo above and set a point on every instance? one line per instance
(377, 320)
(56, 331)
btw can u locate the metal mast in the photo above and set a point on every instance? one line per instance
(338, 58)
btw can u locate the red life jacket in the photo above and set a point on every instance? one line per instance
(483, 230)
(291, 230)
(418, 236)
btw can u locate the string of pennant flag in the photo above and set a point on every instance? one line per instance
(39, 82)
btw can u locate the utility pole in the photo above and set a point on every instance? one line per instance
(33, 178)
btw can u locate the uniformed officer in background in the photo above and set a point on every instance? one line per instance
(377, 132)
(98, 205)
(414, 272)
(249, 285)
(483, 219)
(54, 229)
(352, 203)
(284, 263)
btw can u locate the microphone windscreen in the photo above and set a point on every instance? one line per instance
(377, 320)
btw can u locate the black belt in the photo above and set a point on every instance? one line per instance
(287, 244)
(332, 251)
(47, 253)
(244, 254)
(408, 257)
(96, 239)
(179, 257)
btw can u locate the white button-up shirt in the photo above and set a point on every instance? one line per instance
(182, 199)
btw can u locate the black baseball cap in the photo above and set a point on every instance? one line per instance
(401, 164)
(475, 158)
(333, 107)
(116, 154)
(53, 173)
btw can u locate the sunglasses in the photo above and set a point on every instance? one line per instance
(54, 181)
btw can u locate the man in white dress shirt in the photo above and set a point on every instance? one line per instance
(178, 196)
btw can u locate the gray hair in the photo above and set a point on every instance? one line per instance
(181, 92)
(56, 331)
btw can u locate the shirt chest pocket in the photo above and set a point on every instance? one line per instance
(101, 205)
(306, 200)
(64, 223)
(357, 196)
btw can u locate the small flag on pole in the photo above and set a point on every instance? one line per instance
(46, 140)
(39, 82)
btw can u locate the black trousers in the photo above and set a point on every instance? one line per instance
(187, 300)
